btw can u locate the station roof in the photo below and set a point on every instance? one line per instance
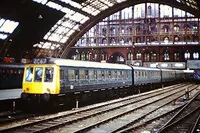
(58, 24)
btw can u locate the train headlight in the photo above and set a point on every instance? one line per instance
(27, 89)
(48, 90)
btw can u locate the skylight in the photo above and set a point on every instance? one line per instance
(7, 27)
(70, 23)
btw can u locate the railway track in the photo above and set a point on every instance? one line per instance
(118, 114)
(186, 119)
(13, 116)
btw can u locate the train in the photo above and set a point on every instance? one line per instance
(48, 79)
(196, 76)
(11, 75)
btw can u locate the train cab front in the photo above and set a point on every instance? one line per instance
(39, 82)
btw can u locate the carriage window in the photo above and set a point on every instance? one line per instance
(118, 74)
(112, 74)
(144, 74)
(48, 77)
(107, 74)
(95, 74)
(20, 71)
(29, 74)
(121, 73)
(11, 71)
(99, 75)
(91, 74)
(86, 74)
(82, 74)
(38, 74)
(71, 74)
(76, 75)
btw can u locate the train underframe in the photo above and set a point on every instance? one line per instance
(77, 99)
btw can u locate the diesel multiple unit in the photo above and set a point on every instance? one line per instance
(51, 77)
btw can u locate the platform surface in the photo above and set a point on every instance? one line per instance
(10, 93)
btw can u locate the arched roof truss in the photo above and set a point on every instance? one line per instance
(82, 15)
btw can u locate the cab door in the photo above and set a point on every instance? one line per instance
(62, 78)
(49, 82)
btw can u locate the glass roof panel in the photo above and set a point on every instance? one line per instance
(47, 36)
(178, 13)
(95, 12)
(99, 5)
(60, 29)
(68, 23)
(46, 45)
(3, 36)
(84, 19)
(70, 32)
(107, 2)
(120, 1)
(66, 30)
(76, 27)
(76, 17)
(190, 3)
(41, 1)
(9, 26)
(74, 4)
(67, 11)
(63, 40)
(54, 37)
(2, 21)
(54, 5)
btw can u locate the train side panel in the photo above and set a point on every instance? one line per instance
(146, 76)
(180, 75)
(11, 76)
(86, 79)
(168, 75)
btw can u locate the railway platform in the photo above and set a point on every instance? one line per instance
(7, 94)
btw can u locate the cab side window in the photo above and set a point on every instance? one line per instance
(48, 77)
(38, 74)
(29, 74)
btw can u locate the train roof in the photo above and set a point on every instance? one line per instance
(146, 68)
(12, 65)
(90, 64)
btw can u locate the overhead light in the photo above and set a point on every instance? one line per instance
(164, 65)
(178, 65)
(40, 17)
(154, 65)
